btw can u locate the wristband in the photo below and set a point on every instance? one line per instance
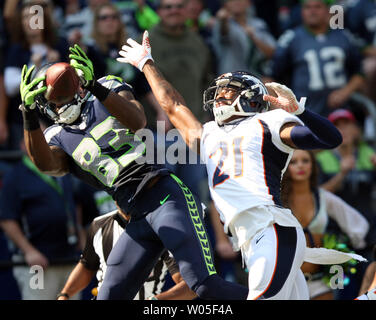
(101, 92)
(30, 119)
(61, 294)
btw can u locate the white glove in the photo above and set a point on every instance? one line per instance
(136, 54)
(286, 99)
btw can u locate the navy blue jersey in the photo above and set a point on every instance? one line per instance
(102, 151)
(318, 64)
(40, 210)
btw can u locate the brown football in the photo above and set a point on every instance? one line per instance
(62, 83)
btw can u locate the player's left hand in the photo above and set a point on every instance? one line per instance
(82, 64)
(286, 99)
(136, 54)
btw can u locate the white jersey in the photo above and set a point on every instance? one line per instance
(245, 162)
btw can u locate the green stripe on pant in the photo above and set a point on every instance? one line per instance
(199, 227)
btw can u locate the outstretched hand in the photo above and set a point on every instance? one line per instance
(83, 65)
(136, 54)
(286, 99)
(29, 89)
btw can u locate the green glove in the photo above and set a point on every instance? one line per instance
(85, 70)
(27, 94)
(82, 64)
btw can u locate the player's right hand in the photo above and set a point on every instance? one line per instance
(27, 88)
(136, 54)
(286, 99)
(83, 65)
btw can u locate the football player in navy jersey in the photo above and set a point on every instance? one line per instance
(93, 138)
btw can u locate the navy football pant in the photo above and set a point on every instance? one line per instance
(174, 222)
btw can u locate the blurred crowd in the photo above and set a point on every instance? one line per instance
(324, 50)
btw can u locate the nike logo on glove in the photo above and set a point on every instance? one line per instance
(164, 200)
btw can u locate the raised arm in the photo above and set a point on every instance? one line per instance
(121, 105)
(49, 160)
(174, 105)
(167, 96)
(126, 109)
(317, 133)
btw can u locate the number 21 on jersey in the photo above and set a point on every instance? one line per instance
(224, 148)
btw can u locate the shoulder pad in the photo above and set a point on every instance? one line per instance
(113, 82)
(52, 131)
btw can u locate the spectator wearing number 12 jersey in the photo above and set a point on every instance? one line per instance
(324, 63)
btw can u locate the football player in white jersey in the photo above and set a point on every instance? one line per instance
(246, 150)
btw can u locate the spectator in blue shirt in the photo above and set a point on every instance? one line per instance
(37, 213)
(321, 63)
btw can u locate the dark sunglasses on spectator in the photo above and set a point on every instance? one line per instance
(108, 16)
(172, 6)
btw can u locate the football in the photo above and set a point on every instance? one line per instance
(62, 82)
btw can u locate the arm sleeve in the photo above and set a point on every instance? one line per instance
(89, 258)
(318, 132)
(351, 221)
